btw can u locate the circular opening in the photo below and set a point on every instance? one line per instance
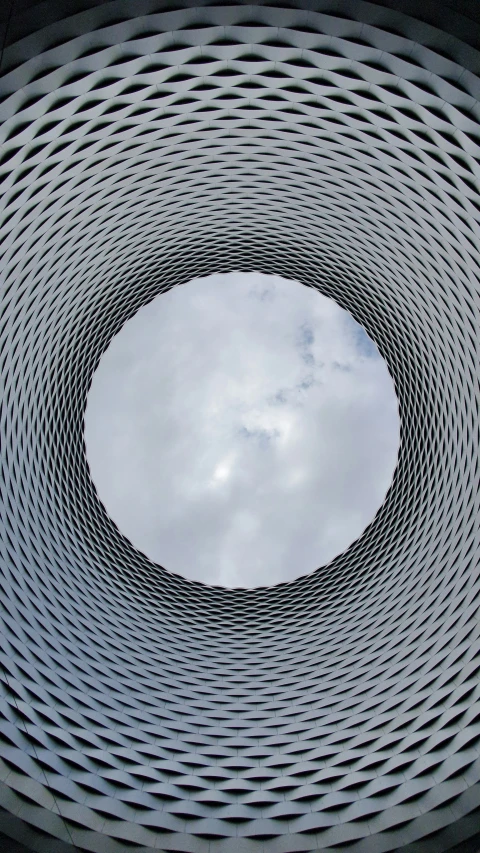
(242, 429)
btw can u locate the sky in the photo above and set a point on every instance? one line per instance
(242, 430)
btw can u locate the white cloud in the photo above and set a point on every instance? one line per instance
(241, 430)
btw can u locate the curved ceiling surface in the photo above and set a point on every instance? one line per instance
(146, 144)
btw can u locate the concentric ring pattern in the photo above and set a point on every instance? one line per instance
(145, 143)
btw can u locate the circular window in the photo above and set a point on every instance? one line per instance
(242, 429)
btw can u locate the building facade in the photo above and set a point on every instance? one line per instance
(145, 143)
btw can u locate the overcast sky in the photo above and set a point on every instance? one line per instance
(242, 430)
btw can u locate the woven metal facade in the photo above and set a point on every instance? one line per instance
(142, 144)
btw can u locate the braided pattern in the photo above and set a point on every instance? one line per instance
(144, 144)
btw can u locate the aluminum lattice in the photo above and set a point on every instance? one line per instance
(146, 143)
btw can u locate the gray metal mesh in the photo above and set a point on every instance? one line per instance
(145, 143)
